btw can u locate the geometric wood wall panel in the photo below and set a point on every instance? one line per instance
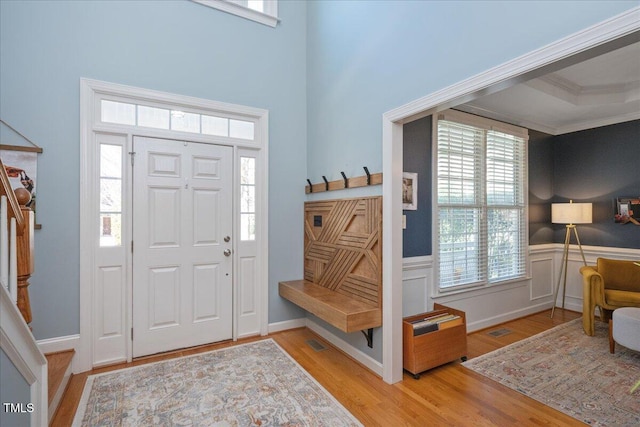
(342, 247)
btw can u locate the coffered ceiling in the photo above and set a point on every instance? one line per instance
(600, 91)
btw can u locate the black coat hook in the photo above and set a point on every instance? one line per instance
(310, 185)
(366, 170)
(346, 181)
(326, 183)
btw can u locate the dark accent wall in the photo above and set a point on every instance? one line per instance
(416, 238)
(540, 187)
(595, 165)
(598, 165)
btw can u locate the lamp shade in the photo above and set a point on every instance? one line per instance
(571, 213)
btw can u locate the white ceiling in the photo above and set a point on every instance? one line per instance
(600, 91)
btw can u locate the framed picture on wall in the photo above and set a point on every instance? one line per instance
(21, 164)
(409, 191)
(628, 210)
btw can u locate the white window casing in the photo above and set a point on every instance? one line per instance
(262, 11)
(480, 199)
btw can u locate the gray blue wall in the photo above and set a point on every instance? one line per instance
(416, 237)
(540, 187)
(13, 389)
(597, 166)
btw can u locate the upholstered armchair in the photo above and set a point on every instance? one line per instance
(609, 285)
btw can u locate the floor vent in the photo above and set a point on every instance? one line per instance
(316, 345)
(499, 332)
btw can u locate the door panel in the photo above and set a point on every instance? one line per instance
(204, 203)
(164, 220)
(206, 288)
(182, 283)
(164, 297)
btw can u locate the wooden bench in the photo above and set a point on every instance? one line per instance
(342, 282)
(337, 309)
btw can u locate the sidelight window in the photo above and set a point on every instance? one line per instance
(247, 198)
(110, 195)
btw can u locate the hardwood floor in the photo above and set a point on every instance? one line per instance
(450, 395)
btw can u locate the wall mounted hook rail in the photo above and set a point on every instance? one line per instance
(344, 183)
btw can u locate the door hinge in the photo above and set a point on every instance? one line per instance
(131, 334)
(132, 246)
(133, 155)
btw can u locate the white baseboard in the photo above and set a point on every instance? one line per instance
(287, 324)
(57, 344)
(364, 359)
(505, 317)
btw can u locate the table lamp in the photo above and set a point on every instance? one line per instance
(569, 214)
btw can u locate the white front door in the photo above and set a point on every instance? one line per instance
(182, 223)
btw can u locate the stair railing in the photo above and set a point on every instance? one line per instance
(16, 243)
(16, 259)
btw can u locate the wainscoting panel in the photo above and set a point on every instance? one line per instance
(543, 262)
(417, 277)
(542, 284)
(489, 306)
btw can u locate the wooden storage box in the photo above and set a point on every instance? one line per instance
(431, 349)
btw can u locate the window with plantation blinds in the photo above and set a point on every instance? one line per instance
(481, 201)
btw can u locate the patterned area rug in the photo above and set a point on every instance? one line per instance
(571, 372)
(255, 384)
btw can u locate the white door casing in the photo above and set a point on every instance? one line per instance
(182, 228)
(106, 271)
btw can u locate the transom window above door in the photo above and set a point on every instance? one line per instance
(169, 119)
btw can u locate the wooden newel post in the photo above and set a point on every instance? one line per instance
(25, 254)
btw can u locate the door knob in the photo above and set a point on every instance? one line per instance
(227, 252)
(227, 238)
